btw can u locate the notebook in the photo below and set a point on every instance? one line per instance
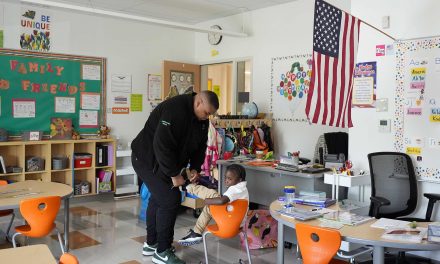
(300, 214)
(347, 218)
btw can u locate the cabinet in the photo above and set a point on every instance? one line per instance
(126, 177)
(16, 153)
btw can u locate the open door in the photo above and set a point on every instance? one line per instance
(179, 77)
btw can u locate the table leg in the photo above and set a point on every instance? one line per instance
(66, 224)
(280, 246)
(378, 255)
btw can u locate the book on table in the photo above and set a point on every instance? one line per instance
(314, 201)
(299, 213)
(414, 235)
(347, 218)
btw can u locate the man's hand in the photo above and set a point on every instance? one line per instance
(194, 176)
(178, 180)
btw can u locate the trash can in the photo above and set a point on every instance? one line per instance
(144, 196)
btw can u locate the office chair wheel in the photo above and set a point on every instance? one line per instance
(287, 245)
(197, 212)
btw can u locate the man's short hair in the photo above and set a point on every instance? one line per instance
(237, 170)
(211, 97)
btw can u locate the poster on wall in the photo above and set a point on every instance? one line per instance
(154, 87)
(182, 82)
(290, 80)
(23, 108)
(417, 105)
(121, 83)
(1, 28)
(364, 85)
(35, 26)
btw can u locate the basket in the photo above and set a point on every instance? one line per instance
(34, 164)
(59, 162)
(82, 188)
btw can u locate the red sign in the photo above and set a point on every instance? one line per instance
(120, 110)
(380, 50)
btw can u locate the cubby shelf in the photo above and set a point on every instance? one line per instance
(15, 153)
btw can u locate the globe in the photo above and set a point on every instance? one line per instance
(250, 109)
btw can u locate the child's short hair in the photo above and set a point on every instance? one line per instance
(238, 170)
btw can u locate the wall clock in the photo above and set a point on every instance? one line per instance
(215, 38)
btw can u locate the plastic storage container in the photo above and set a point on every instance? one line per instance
(289, 193)
(83, 160)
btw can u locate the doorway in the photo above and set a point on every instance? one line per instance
(231, 81)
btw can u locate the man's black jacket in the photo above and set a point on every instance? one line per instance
(172, 137)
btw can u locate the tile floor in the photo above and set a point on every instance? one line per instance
(104, 230)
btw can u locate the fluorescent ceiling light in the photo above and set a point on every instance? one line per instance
(133, 17)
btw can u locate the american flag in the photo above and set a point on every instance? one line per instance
(335, 43)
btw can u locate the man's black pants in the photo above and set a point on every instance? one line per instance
(162, 207)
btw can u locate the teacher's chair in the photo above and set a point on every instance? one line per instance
(40, 214)
(228, 218)
(7, 212)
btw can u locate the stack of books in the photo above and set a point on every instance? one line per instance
(321, 202)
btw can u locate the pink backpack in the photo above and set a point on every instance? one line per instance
(261, 228)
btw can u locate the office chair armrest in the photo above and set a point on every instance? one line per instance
(378, 202)
(433, 198)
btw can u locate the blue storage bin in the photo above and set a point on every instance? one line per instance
(144, 196)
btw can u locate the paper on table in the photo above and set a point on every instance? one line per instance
(389, 223)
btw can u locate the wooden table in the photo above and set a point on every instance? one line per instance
(35, 254)
(12, 194)
(362, 234)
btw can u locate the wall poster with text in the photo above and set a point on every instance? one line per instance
(35, 26)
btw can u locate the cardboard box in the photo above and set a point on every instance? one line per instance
(193, 203)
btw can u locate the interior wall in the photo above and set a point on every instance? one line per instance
(275, 31)
(130, 47)
(407, 20)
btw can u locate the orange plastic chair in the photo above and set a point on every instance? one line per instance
(40, 214)
(318, 245)
(68, 258)
(228, 218)
(7, 212)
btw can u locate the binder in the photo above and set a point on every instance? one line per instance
(101, 155)
(2, 165)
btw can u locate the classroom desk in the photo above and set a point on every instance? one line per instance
(265, 183)
(12, 194)
(35, 254)
(362, 234)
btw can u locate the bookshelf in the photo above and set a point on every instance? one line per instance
(126, 177)
(16, 153)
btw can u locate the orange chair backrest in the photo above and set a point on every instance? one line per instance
(318, 245)
(67, 258)
(3, 182)
(228, 217)
(40, 214)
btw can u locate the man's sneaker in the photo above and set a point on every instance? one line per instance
(191, 239)
(148, 250)
(166, 257)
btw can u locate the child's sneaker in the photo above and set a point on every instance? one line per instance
(148, 250)
(191, 239)
(166, 257)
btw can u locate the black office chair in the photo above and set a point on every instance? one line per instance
(394, 188)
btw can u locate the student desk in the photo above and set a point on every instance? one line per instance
(265, 183)
(362, 234)
(12, 194)
(35, 254)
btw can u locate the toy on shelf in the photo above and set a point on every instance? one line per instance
(104, 131)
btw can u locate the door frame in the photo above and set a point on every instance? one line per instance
(234, 76)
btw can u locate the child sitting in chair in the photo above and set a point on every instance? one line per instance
(235, 181)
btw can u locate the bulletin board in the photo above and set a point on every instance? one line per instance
(35, 87)
(417, 113)
(290, 79)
